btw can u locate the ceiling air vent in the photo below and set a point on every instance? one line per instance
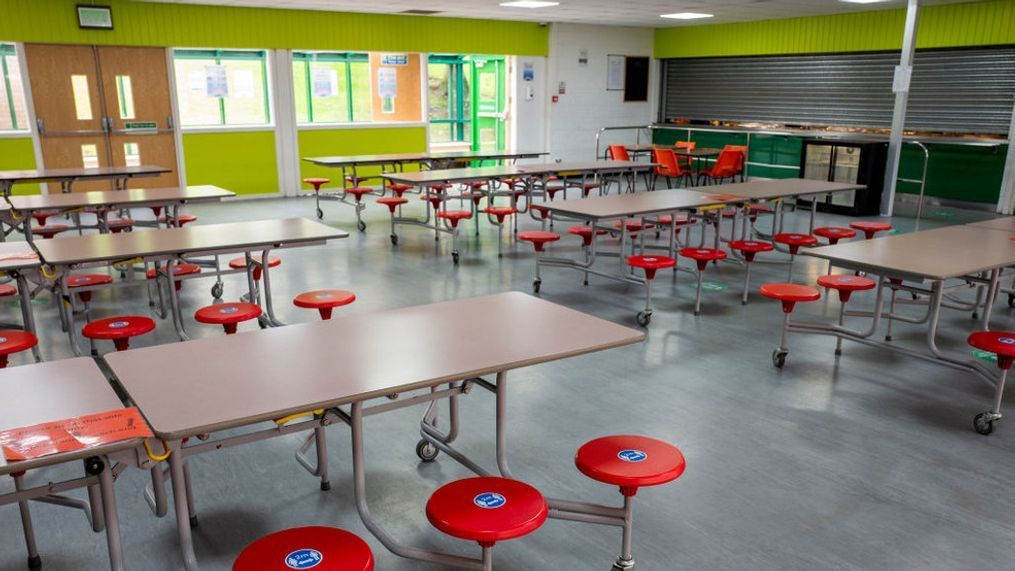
(420, 12)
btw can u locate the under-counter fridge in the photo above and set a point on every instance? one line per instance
(850, 162)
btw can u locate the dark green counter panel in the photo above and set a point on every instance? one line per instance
(955, 172)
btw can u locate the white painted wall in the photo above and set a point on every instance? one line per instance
(528, 119)
(586, 106)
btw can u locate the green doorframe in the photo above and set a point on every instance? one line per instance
(486, 113)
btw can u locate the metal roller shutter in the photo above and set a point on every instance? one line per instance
(956, 91)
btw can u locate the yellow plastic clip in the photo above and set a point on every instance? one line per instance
(154, 456)
(47, 271)
(292, 417)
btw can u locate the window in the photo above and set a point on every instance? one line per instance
(222, 87)
(331, 87)
(125, 97)
(450, 99)
(131, 155)
(13, 111)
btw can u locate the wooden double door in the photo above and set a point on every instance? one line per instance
(98, 106)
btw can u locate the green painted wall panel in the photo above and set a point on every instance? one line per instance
(949, 25)
(331, 142)
(185, 25)
(16, 154)
(249, 166)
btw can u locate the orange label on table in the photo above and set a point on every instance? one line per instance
(722, 197)
(77, 433)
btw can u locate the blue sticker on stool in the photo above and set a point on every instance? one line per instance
(79, 280)
(229, 310)
(323, 295)
(304, 559)
(1007, 340)
(118, 324)
(649, 259)
(489, 500)
(3, 339)
(845, 280)
(632, 455)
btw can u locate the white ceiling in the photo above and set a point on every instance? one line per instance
(612, 12)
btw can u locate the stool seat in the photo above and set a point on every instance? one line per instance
(439, 186)
(870, 227)
(759, 209)
(543, 211)
(751, 246)
(118, 329)
(1000, 343)
(178, 270)
(7, 290)
(729, 212)
(324, 300)
(85, 280)
(14, 341)
(398, 187)
(846, 284)
(538, 238)
(790, 294)
(180, 220)
(316, 181)
(667, 220)
(651, 262)
(241, 264)
(834, 233)
(703, 254)
(486, 509)
(455, 215)
(632, 225)
(42, 217)
(228, 315)
(500, 212)
(795, 239)
(392, 202)
(630, 461)
(50, 230)
(314, 547)
(585, 232)
(476, 184)
(358, 191)
(119, 225)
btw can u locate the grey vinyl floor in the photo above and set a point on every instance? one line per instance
(867, 461)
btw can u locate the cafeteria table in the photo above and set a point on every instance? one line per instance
(343, 368)
(66, 177)
(19, 261)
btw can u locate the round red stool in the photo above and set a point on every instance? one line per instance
(701, 256)
(629, 462)
(453, 217)
(393, 202)
(632, 225)
(650, 264)
(539, 213)
(586, 233)
(749, 249)
(1001, 344)
(870, 228)
(500, 213)
(42, 217)
(324, 300)
(358, 192)
(314, 547)
(178, 221)
(834, 233)
(228, 315)
(241, 264)
(789, 295)
(845, 285)
(793, 241)
(317, 183)
(120, 225)
(487, 510)
(49, 231)
(14, 341)
(7, 290)
(398, 188)
(119, 330)
(755, 210)
(539, 240)
(179, 270)
(87, 280)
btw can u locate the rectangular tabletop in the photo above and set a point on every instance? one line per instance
(939, 254)
(383, 159)
(17, 256)
(49, 175)
(231, 236)
(637, 204)
(587, 166)
(234, 380)
(1005, 224)
(52, 391)
(422, 178)
(133, 196)
(783, 188)
(679, 151)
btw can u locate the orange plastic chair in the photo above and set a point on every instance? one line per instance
(686, 146)
(618, 153)
(742, 150)
(725, 167)
(668, 167)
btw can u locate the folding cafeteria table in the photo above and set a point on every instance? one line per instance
(926, 260)
(66, 177)
(18, 260)
(1003, 224)
(344, 369)
(166, 246)
(54, 391)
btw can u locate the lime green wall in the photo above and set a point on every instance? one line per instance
(949, 25)
(182, 25)
(331, 142)
(17, 154)
(241, 162)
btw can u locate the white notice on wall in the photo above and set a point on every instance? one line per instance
(243, 84)
(387, 82)
(615, 72)
(196, 81)
(324, 80)
(903, 75)
(215, 82)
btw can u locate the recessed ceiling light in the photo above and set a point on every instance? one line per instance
(529, 4)
(686, 16)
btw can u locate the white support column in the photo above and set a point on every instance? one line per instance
(903, 73)
(1006, 202)
(284, 112)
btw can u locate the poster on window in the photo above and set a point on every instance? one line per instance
(215, 81)
(243, 84)
(324, 80)
(387, 88)
(197, 81)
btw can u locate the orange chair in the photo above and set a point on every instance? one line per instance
(685, 146)
(742, 149)
(668, 167)
(618, 153)
(725, 167)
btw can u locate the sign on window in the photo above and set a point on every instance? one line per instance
(216, 81)
(325, 81)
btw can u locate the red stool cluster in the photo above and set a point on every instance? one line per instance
(313, 547)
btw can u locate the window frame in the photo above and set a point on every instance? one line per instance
(10, 49)
(460, 122)
(220, 55)
(347, 58)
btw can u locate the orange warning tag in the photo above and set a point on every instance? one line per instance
(71, 434)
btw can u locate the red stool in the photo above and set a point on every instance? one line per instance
(845, 285)
(702, 256)
(87, 280)
(539, 239)
(358, 192)
(241, 264)
(317, 183)
(228, 315)
(586, 233)
(749, 249)
(42, 217)
(834, 233)
(324, 300)
(453, 217)
(120, 225)
(793, 241)
(398, 188)
(314, 547)
(789, 295)
(540, 214)
(651, 264)
(487, 510)
(118, 329)
(393, 202)
(179, 270)
(870, 228)
(629, 462)
(1001, 344)
(755, 210)
(177, 222)
(14, 341)
(7, 290)
(49, 231)
(632, 225)
(500, 213)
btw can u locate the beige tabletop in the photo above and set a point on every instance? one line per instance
(637, 204)
(234, 380)
(939, 254)
(1005, 224)
(207, 238)
(128, 197)
(454, 175)
(356, 160)
(51, 391)
(682, 152)
(43, 175)
(17, 256)
(587, 166)
(783, 188)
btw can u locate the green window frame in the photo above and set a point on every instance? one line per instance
(460, 119)
(8, 51)
(220, 56)
(345, 58)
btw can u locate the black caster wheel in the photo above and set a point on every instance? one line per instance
(325, 486)
(454, 257)
(585, 282)
(94, 466)
(1011, 300)
(535, 286)
(193, 521)
(361, 225)
(779, 358)
(394, 240)
(320, 214)
(35, 562)
(643, 318)
(427, 452)
(216, 291)
(984, 423)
